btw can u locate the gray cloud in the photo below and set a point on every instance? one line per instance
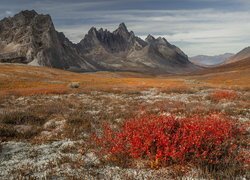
(190, 29)
(8, 13)
(210, 30)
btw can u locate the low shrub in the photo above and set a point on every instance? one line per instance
(19, 117)
(212, 142)
(58, 107)
(223, 94)
(77, 124)
(7, 132)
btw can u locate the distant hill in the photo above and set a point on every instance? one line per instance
(210, 60)
(243, 54)
(29, 37)
(241, 64)
(238, 66)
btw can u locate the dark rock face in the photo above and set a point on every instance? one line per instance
(118, 41)
(27, 34)
(12, 58)
(31, 38)
(121, 50)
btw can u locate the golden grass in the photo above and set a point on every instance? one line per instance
(23, 80)
(232, 79)
(234, 75)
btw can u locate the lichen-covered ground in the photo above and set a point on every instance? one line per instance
(49, 136)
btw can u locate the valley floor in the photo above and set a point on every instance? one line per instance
(46, 125)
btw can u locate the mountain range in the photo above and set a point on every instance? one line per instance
(205, 60)
(29, 37)
(220, 60)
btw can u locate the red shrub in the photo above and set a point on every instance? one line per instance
(168, 140)
(223, 94)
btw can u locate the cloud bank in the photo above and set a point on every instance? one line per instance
(197, 26)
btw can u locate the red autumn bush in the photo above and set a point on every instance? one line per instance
(170, 140)
(223, 94)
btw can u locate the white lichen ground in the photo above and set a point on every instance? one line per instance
(64, 158)
(19, 159)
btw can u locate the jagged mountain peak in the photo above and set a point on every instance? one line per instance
(120, 40)
(32, 37)
(123, 27)
(122, 30)
(132, 33)
(159, 41)
(101, 30)
(92, 31)
(27, 13)
(28, 18)
(150, 38)
(163, 41)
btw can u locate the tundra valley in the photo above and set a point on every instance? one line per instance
(117, 105)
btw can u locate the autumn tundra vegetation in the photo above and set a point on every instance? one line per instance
(122, 123)
(214, 143)
(115, 105)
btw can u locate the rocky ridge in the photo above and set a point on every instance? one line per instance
(31, 38)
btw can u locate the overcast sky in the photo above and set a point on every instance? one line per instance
(207, 27)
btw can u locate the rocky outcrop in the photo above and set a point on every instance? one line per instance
(33, 39)
(12, 57)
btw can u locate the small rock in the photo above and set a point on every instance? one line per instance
(74, 85)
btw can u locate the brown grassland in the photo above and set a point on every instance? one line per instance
(25, 80)
(49, 116)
